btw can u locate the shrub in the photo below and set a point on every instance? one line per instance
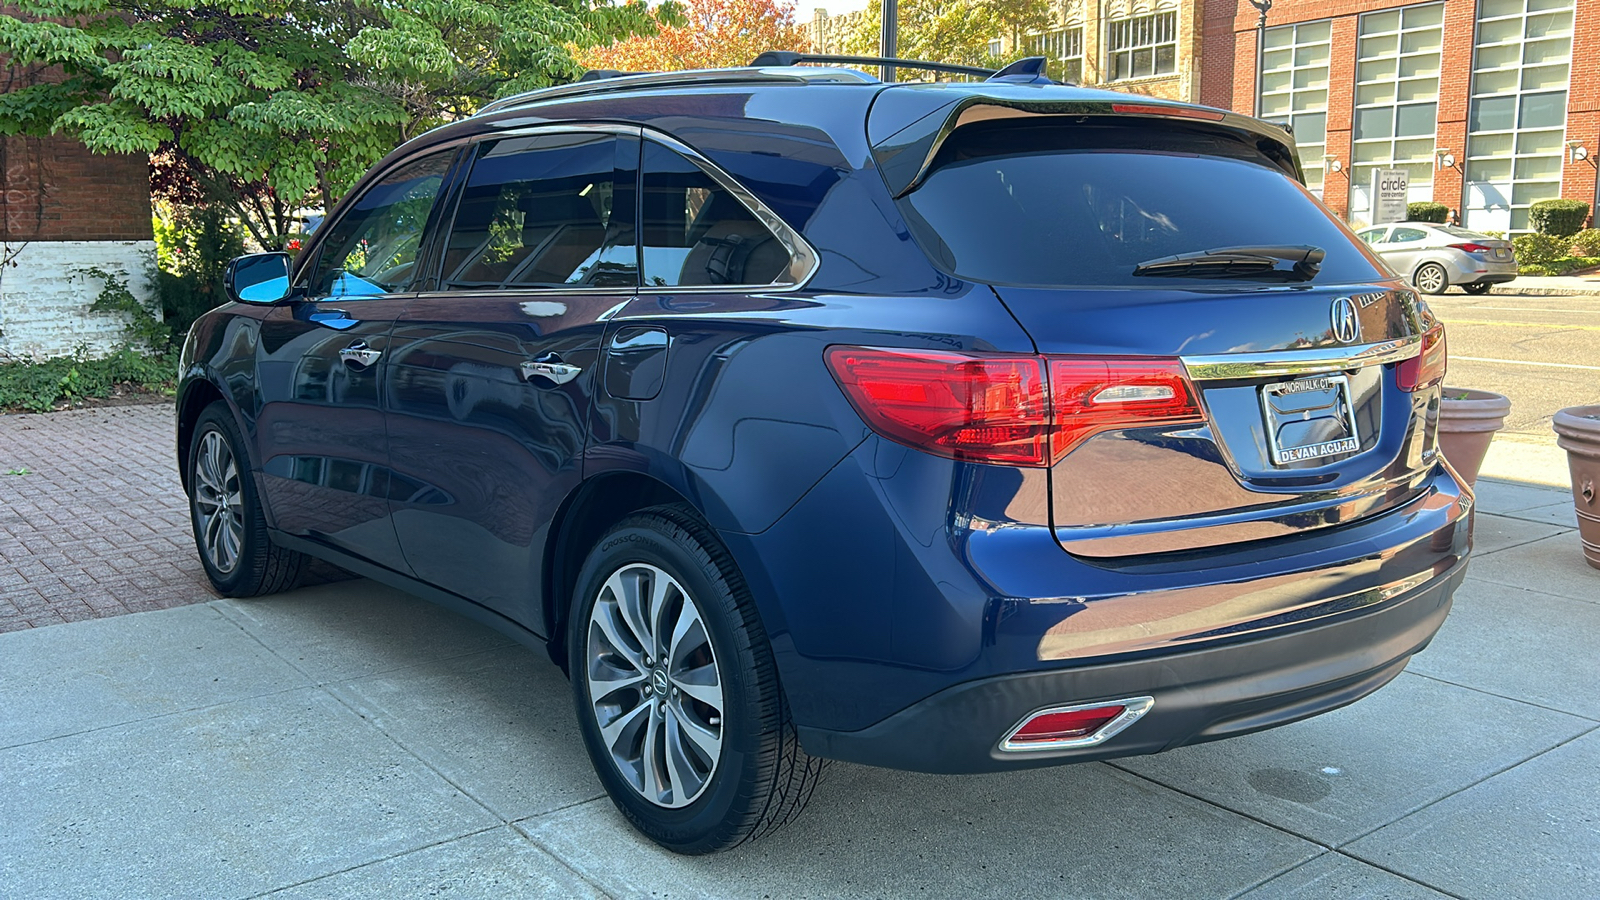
(1558, 217)
(1538, 250)
(1585, 243)
(37, 386)
(1427, 211)
(193, 247)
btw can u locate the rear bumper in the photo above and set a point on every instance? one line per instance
(1492, 278)
(1201, 695)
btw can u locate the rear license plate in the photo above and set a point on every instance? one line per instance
(1309, 418)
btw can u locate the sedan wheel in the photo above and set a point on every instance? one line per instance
(654, 685)
(1481, 287)
(1431, 278)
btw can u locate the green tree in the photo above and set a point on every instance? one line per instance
(265, 106)
(948, 31)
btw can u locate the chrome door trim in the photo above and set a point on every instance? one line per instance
(1288, 363)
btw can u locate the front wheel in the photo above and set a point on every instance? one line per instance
(676, 690)
(1431, 278)
(230, 527)
(1481, 287)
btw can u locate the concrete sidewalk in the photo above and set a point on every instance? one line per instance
(1556, 286)
(345, 740)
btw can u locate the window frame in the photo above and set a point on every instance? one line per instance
(1112, 51)
(803, 258)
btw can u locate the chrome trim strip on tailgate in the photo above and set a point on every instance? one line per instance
(1287, 363)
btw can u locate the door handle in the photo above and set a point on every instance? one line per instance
(550, 366)
(358, 355)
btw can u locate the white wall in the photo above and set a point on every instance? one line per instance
(45, 295)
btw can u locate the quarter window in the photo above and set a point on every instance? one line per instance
(372, 249)
(543, 211)
(696, 232)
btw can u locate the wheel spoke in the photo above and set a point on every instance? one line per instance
(605, 680)
(652, 757)
(708, 741)
(606, 616)
(688, 620)
(685, 779)
(613, 732)
(701, 683)
(626, 587)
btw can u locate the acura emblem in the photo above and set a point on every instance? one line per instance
(1346, 327)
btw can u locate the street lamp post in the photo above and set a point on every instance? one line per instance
(1261, 42)
(891, 34)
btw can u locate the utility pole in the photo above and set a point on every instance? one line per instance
(891, 34)
(1261, 45)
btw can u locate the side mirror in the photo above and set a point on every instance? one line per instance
(257, 278)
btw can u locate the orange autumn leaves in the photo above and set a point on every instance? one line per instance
(716, 33)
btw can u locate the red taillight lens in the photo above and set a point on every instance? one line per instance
(1471, 248)
(1091, 395)
(1427, 368)
(1065, 726)
(981, 408)
(999, 409)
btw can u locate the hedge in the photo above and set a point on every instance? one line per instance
(1427, 211)
(1561, 218)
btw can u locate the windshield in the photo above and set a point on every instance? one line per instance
(1076, 204)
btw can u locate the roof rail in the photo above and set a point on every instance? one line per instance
(790, 58)
(603, 80)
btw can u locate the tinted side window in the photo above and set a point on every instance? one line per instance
(1372, 235)
(543, 211)
(372, 249)
(1406, 235)
(696, 232)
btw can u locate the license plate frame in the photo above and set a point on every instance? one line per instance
(1281, 456)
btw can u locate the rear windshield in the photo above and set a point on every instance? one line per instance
(1082, 204)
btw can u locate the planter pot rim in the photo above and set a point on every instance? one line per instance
(1578, 422)
(1478, 411)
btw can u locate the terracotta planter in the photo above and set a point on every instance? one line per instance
(1468, 420)
(1579, 434)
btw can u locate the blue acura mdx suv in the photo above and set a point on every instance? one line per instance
(953, 427)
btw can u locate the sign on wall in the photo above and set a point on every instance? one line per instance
(1390, 192)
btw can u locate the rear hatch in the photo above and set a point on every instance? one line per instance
(1227, 361)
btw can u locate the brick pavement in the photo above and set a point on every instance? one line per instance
(99, 526)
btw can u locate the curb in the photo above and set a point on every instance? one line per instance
(1585, 290)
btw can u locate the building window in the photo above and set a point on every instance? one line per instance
(1063, 47)
(1143, 46)
(1397, 100)
(1517, 117)
(1294, 88)
(994, 47)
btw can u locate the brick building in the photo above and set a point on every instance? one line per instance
(63, 210)
(1490, 105)
(1141, 46)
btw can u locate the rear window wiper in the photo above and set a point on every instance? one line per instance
(1238, 262)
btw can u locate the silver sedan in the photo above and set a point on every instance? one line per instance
(1436, 256)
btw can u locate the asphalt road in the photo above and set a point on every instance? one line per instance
(1542, 352)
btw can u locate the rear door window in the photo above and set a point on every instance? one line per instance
(544, 211)
(1407, 235)
(1083, 204)
(696, 233)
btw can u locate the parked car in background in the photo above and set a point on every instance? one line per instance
(1434, 257)
(954, 427)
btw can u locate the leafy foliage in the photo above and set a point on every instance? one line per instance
(1547, 254)
(1585, 243)
(703, 34)
(1427, 211)
(1538, 249)
(948, 31)
(1558, 217)
(31, 386)
(271, 105)
(193, 247)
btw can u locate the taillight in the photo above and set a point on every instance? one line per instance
(1472, 248)
(1001, 409)
(1067, 727)
(981, 408)
(1427, 368)
(1091, 395)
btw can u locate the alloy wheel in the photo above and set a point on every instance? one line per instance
(218, 502)
(1431, 279)
(654, 686)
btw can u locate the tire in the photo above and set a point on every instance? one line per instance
(739, 772)
(1431, 278)
(1481, 287)
(230, 527)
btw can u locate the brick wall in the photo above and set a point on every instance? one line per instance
(56, 190)
(1228, 65)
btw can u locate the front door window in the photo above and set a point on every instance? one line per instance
(372, 249)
